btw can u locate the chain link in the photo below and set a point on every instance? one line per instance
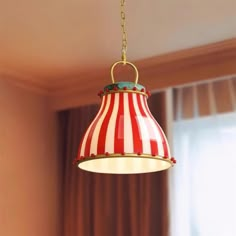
(123, 29)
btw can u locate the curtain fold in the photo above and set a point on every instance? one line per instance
(205, 99)
(104, 204)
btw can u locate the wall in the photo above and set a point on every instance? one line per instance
(29, 176)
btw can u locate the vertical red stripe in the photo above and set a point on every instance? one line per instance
(90, 135)
(103, 130)
(153, 142)
(79, 150)
(163, 139)
(137, 139)
(119, 128)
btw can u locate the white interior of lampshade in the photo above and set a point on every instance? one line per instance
(124, 165)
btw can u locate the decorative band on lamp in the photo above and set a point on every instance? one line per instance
(124, 138)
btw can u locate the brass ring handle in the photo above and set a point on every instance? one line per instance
(124, 63)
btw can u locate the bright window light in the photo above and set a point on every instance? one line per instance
(203, 197)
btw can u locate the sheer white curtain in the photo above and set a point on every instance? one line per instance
(203, 183)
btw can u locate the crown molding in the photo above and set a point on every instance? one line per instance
(172, 69)
(25, 82)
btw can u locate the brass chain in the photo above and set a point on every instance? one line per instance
(123, 29)
(124, 46)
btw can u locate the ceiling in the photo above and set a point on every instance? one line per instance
(48, 41)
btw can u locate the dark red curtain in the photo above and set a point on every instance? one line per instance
(109, 205)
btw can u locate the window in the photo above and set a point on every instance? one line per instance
(203, 183)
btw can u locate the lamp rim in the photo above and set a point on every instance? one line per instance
(125, 155)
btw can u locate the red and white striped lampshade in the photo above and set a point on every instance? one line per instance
(124, 138)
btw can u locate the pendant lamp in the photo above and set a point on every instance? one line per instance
(124, 137)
